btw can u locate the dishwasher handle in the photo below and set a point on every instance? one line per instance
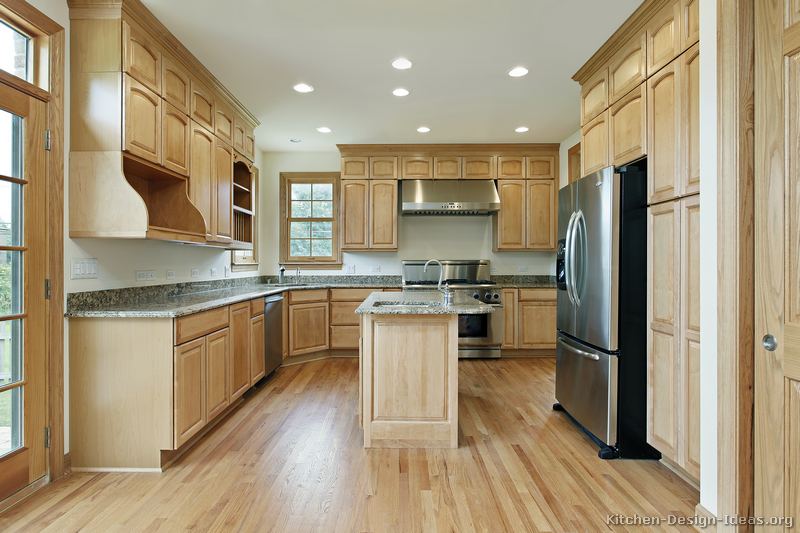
(273, 299)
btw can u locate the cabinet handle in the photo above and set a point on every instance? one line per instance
(769, 342)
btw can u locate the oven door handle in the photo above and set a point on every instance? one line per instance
(574, 349)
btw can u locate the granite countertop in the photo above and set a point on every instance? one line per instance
(420, 302)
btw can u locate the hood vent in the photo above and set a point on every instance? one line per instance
(449, 197)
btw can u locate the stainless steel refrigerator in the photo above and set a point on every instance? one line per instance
(601, 266)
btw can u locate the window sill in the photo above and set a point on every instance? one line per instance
(313, 266)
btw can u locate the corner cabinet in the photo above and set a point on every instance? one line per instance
(308, 322)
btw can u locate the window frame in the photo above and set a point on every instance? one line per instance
(286, 181)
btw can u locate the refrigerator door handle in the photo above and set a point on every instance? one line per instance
(573, 278)
(574, 349)
(568, 257)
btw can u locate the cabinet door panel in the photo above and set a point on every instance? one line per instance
(344, 337)
(189, 390)
(628, 127)
(628, 68)
(480, 168)
(223, 187)
(662, 393)
(663, 123)
(537, 325)
(417, 168)
(510, 304)
(142, 121)
(175, 83)
(218, 353)
(383, 214)
(356, 168)
(541, 215)
(690, 330)
(240, 349)
(594, 96)
(202, 105)
(690, 121)
(355, 214)
(175, 139)
(223, 122)
(308, 328)
(447, 168)
(344, 313)
(690, 23)
(257, 362)
(663, 37)
(201, 178)
(542, 167)
(594, 145)
(510, 230)
(664, 266)
(511, 168)
(383, 168)
(238, 133)
(142, 57)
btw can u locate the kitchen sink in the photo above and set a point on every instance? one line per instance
(406, 304)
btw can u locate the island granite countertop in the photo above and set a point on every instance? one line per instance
(420, 302)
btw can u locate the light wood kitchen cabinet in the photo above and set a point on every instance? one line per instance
(201, 105)
(223, 186)
(240, 349)
(663, 126)
(542, 167)
(511, 168)
(257, 361)
(627, 70)
(383, 214)
(308, 328)
(479, 168)
(594, 96)
(690, 120)
(510, 220)
(141, 58)
(223, 124)
(540, 214)
(690, 23)
(447, 168)
(536, 327)
(344, 321)
(627, 121)
(202, 191)
(594, 144)
(142, 130)
(344, 313)
(416, 168)
(175, 139)
(355, 168)
(175, 83)
(218, 354)
(383, 168)
(243, 137)
(355, 214)
(663, 37)
(189, 393)
(510, 307)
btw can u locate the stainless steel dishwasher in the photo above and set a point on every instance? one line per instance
(273, 332)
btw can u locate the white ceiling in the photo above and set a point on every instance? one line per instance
(461, 51)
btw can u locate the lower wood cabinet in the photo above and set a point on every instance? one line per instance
(257, 362)
(190, 394)
(308, 322)
(240, 349)
(218, 353)
(510, 309)
(537, 319)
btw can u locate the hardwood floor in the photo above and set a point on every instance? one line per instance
(291, 459)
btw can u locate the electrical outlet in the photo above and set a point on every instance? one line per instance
(84, 269)
(350, 269)
(227, 271)
(145, 275)
(213, 272)
(195, 273)
(376, 269)
(170, 275)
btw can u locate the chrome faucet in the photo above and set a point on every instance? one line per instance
(281, 275)
(447, 293)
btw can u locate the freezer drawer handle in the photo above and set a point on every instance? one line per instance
(578, 351)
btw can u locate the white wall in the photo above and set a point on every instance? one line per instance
(563, 155)
(419, 237)
(708, 255)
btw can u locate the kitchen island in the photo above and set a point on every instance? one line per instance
(409, 368)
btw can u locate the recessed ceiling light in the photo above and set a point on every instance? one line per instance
(517, 72)
(401, 63)
(522, 129)
(303, 88)
(295, 140)
(423, 129)
(400, 92)
(324, 129)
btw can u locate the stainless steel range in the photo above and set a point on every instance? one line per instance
(478, 335)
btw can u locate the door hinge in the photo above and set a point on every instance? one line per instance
(47, 140)
(47, 289)
(47, 437)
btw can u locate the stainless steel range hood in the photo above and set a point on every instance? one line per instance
(449, 197)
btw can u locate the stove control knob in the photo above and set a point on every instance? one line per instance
(487, 297)
(476, 295)
(496, 296)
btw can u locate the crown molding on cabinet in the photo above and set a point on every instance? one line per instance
(507, 149)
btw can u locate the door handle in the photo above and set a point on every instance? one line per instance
(574, 278)
(592, 356)
(568, 256)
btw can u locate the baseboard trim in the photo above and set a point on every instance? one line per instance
(709, 518)
(114, 469)
(681, 473)
(23, 493)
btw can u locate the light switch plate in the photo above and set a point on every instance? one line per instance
(84, 269)
(145, 275)
(213, 272)
(195, 273)
(350, 268)
(170, 275)
(376, 269)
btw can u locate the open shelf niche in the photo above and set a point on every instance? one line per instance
(244, 201)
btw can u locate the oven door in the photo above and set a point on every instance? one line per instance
(480, 335)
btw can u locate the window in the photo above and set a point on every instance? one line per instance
(14, 52)
(309, 230)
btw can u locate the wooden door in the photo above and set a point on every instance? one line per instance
(355, 168)
(257, 362)
(175, 139)
(383, 168)
(141, 57)
(175, 83)
(223, 191)
(540, 214)
(308, 328)
(218, 357)
(480, 168)
(201, 105)
(690, 334)
(510, 309)
(202, 176)
(663, 125)
(537, 325)
(663, 299)
(240, 349)
(224, 124)
(627, 121)
(594, 96)
(690, 120)
(447, 168)
(663, 37)
(511, 219)
(142, 130)
(23, 313)
(383, 214)
(542, 167)
(628, 68)
(355, 214)
(511, 168)
(594, 145)
(416, 168)
(189, 390)
(776, 233)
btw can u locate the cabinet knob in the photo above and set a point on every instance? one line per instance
(769, 343)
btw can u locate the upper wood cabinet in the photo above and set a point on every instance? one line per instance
(355, 168)
(540, 214)
(594, 145)
(383, 168)
(240, 349)
(663, 37)
(202, 105)
(479, 167)
(223, 187)
(175, 139)
(510, 222)
(416, 168)
(690, 23)
(690, 120)
(189, 391)
(383, 214)
(447, 168)
(627, 121)
(175, 83)
(355, 214)
(663, 125)
(244, 140)
(202, 189)
(542, 167)
(218, 353)
(141, 57)
(142, 130)
(628, 68)
(511, 168)
(223, 123)
(594, 96)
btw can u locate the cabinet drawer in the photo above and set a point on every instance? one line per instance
(540, 295)
(351, 295)
(315, 295)
(344, 337)
(344, 313)
(199, 324)
(257, 307)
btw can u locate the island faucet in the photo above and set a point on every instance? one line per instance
(447, 293)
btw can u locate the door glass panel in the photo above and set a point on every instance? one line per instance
(10, 283)
(10, 352)
(14, 51)
(10, 219)
(10, 144)
(10, 420)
